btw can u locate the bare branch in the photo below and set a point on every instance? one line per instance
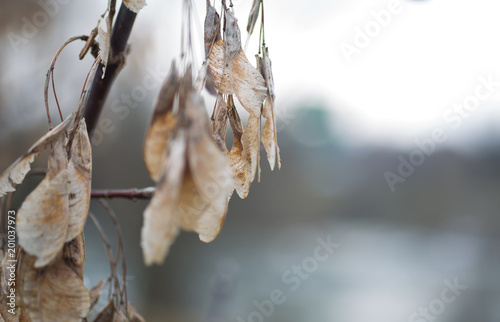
(145, 193)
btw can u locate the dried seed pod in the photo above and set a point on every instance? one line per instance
(219, 123)
(162, 124)
(42, 220)
(253, 16)
(80, 178)
(55, 293)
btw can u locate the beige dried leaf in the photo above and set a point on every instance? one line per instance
(210, 169)
(80, 178)
(42, 220)
(161, 218)
(54, 294)
(162, 124)
(238, 164)
(135, 5)
(249, 85)
(218, 123)
(17, 171)
(220, 69)
(251, 143)
(111, 313)
(269, 135)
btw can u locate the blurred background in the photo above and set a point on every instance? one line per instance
(389, 127)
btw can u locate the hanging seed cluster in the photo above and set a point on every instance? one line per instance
(185, 153)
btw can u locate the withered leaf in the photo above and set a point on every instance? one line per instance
(212, 27)
(209, 167)
(79, 178)
(54, 293)
(42, 220)
(220, 69)
(161, 219)
(232, 36)
(249, 84)
(251, 142)
(238, 164)
(219, 122)
(135, 5)
(17, 171)
(161, 126)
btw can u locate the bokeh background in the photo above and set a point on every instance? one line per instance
(343, 123)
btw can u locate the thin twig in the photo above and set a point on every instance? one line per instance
(50, 74)
(145, 193)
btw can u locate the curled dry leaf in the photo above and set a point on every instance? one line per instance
(269, 135)
(42, 220)
(79, 177)
(232, 36)
(237, 162)
(210, 170)
(218, 123)
(162, 124)
(17, 171)
(55, 293)
(135, 5)
(161, 219)
(212, 27)
(249, 85)
(251, 143)
(219, 69)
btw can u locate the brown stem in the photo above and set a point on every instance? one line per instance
(101, 86)
(145, 194)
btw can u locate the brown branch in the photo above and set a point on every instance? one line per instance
(145, 194)
(101, 86)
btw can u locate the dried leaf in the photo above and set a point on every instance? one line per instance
(212, 27)
(249, 85)
(42, 220)
(79, 177)
(219, 122)
(161, 126)
(55, 293)
(161, 218)
(210, 169)
(253, 16)
(135, 5)
(269, 135)
(232, 36)
(220, 69)
(251, 143)
(238, 164)
(17, 171)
